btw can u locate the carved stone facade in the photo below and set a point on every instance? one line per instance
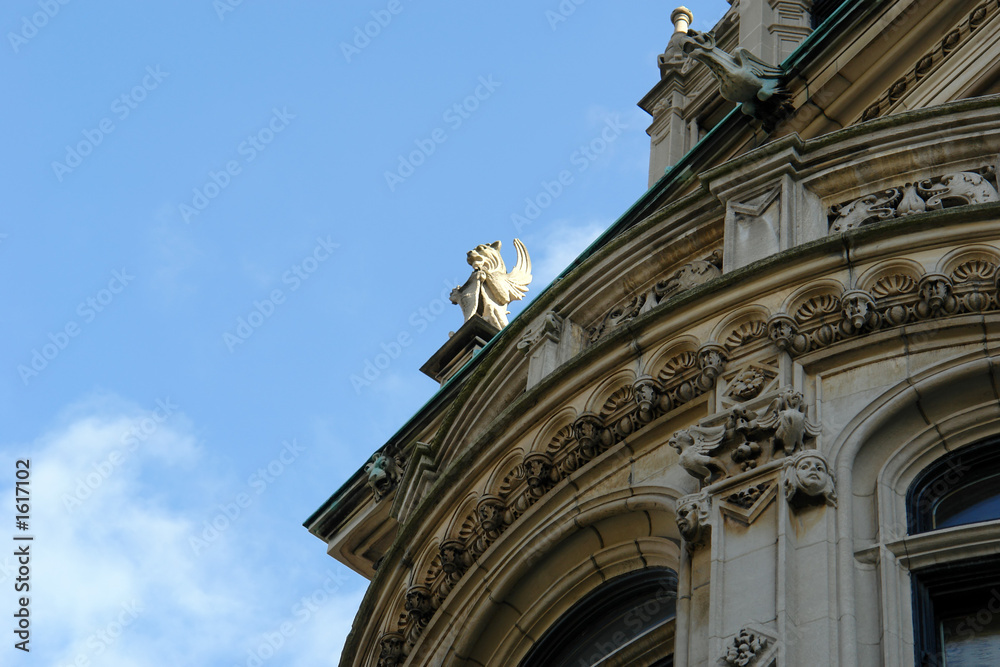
(738, 386)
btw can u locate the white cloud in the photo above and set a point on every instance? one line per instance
(114, 580)
(562, 242)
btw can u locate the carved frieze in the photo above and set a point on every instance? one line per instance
(688, 276)
(930, 60)
(896, 297)
(946, 191)
(750, 437)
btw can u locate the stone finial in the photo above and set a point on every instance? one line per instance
(682, 18)
(490, 288)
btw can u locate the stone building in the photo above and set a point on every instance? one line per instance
(759, 422)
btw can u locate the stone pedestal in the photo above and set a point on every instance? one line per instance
(461, 346)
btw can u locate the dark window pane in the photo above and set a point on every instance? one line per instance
(977, 501)
(608, 619)
(961, 488)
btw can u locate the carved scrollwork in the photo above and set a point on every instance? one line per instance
(946, 191)
(550, 328)
(618, 316)
(688, 276)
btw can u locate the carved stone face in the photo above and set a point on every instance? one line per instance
(418, 602)
(812, 474)
(681, 440)
(383, 473)
(793, 400)
(689, 520)
(479, 256)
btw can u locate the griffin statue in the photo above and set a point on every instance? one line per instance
(490, 288)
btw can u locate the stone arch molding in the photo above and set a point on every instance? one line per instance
(544, 566)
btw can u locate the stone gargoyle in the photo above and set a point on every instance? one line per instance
(743, 77)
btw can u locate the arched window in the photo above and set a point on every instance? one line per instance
(961, 488)
(954, 508)
(624, 618)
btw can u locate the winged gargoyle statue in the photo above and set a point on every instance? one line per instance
(787, 416)
(697, 445)
(490, 288)
(742, 77)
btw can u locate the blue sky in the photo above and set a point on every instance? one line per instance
(217, 215)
